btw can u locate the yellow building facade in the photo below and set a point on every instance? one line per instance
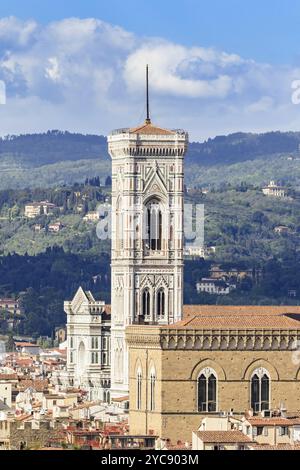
(220, 359)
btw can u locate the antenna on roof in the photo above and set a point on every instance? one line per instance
(148, 120)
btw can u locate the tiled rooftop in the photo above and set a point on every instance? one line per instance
(192, 310)
(295, 446)
(150, 129)
(223, 437)
(278, 421)
(234, 321)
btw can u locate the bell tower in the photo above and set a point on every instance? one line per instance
(147, 233)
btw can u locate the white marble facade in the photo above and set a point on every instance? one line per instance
(147, 235)
(88, 346)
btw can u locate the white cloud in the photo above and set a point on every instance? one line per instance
(173, 70)
(263, 104)
(2, 92)
(15, 32)
(53, 71)
(87, 75)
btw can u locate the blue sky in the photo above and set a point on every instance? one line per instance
(215, 66)
(265, 30)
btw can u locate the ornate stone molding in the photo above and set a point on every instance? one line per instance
(230, 340)
(211, 340)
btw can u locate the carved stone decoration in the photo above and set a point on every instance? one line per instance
(215, 343)
(258, 343)
(224, 343)
(206, 343)
(292, 343)
(249, 343)
(283, 343)
(207, 372)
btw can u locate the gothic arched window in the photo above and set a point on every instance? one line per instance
(260, 390)
(146, 303)
(154, 225)
(139, 389)
(152, 390)
(207, 391)
(160, 303)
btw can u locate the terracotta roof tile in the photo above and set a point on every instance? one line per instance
(223, 437)
(192, 310)
(237, 322)
(280, 421)
(38, 385)
(295, 446)
(150, 129)
(8, 376)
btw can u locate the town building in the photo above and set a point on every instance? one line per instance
(55, 227)
(218, 358)
(272, 430)
(26, 348)
(5, 392)
(35, 209)
(220, 440)
(214, 286)
(268, 430)
(88, 350)
(27, 432)
(274, 189)
(92, 216)
(60, 334)
(10, 305)
(217, 272)
(198, 251)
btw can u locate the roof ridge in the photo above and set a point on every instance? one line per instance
(149, 126)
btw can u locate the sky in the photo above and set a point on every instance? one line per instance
(216, 66)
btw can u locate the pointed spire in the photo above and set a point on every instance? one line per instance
(148, 120)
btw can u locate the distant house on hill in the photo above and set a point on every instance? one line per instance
(274, 190)
(34, 209)
(93, 216)
(199, 251)
(55, 228)
(214, 286)
(280, 229)
(10, 305)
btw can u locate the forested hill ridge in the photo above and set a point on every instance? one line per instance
(56, 157)
(240, 147)
(52, 147)
(57, 146)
